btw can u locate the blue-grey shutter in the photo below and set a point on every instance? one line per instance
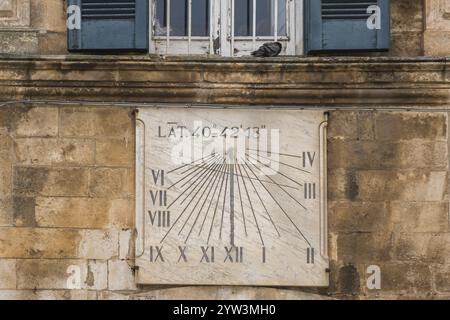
(338, 25)
(110, 25)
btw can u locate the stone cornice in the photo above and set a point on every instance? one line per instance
(318, 81)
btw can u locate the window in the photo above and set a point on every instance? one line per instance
(228, 27)
(222, 27)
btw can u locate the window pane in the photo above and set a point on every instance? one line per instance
(265, 17)
(179, 17)
(200, 18)
(243, 19)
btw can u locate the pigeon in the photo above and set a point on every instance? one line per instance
(269, 49)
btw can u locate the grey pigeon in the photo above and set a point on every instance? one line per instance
(269, 49)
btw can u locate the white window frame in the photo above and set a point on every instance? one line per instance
(230, 46)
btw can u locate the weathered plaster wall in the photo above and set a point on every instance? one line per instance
(419, 27)
(67, 199)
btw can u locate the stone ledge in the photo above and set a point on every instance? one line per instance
(332, 81)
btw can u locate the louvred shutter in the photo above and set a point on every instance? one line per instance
(110, 25)
(337, 25)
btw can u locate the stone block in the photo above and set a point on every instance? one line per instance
(39, 243)
(346, 216)
(77, 122)
(38, 151)
(110, 183)
(113, 122)
(387, 155)
(377, 185)
(423, 247)
(8, 274)
(50, 182)
(99, 244)
(24, 211)
(120, 275)
(357, 248)
(398, 126)
(38, 122)
(115, 152)
(411, 217)
(442, 278)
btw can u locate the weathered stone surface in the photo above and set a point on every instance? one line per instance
(113, 122)
(24, 211)
(122, 213)
(38, 122)
(437, 28)
(407, 277)
(48, 274)
(395, 126)
(72, 212)
(76, 122)
(114, 152)
(5, 178)
(121, 275)
(7, 274)
(23, 42)
(48, 295)
(378, 185)
(97, 275)
(365, 247)
(376, 155)
(50, 182)
(38, 243)
(424, 247)
(99, 244)
(126, 244)
(345, 216)
(6, 212)
(415, 217)
(32, 151)
(110, 183)
(442, 278)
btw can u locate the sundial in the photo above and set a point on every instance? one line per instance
(231, 196)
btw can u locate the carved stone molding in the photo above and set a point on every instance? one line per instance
(333, 82)
(14, 13)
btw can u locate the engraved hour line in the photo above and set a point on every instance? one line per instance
(214, 176)
(251, 205)
(291, 196)
(240, 198)
(207, 172)
(270, 182)
(181, 214)
(262, 203)
(281, 154)
(217, 174)
(285, 164)
(285, 213)
(212, 173)
(195, 181)
(223, 203)
(196, 169)
(190, 164)
(215, 209)
(277, 172)
(210, 169)
(212, 200)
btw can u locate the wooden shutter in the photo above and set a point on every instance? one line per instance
(338, 25)
(110, 25)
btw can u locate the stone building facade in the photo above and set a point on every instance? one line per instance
(67, 154)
